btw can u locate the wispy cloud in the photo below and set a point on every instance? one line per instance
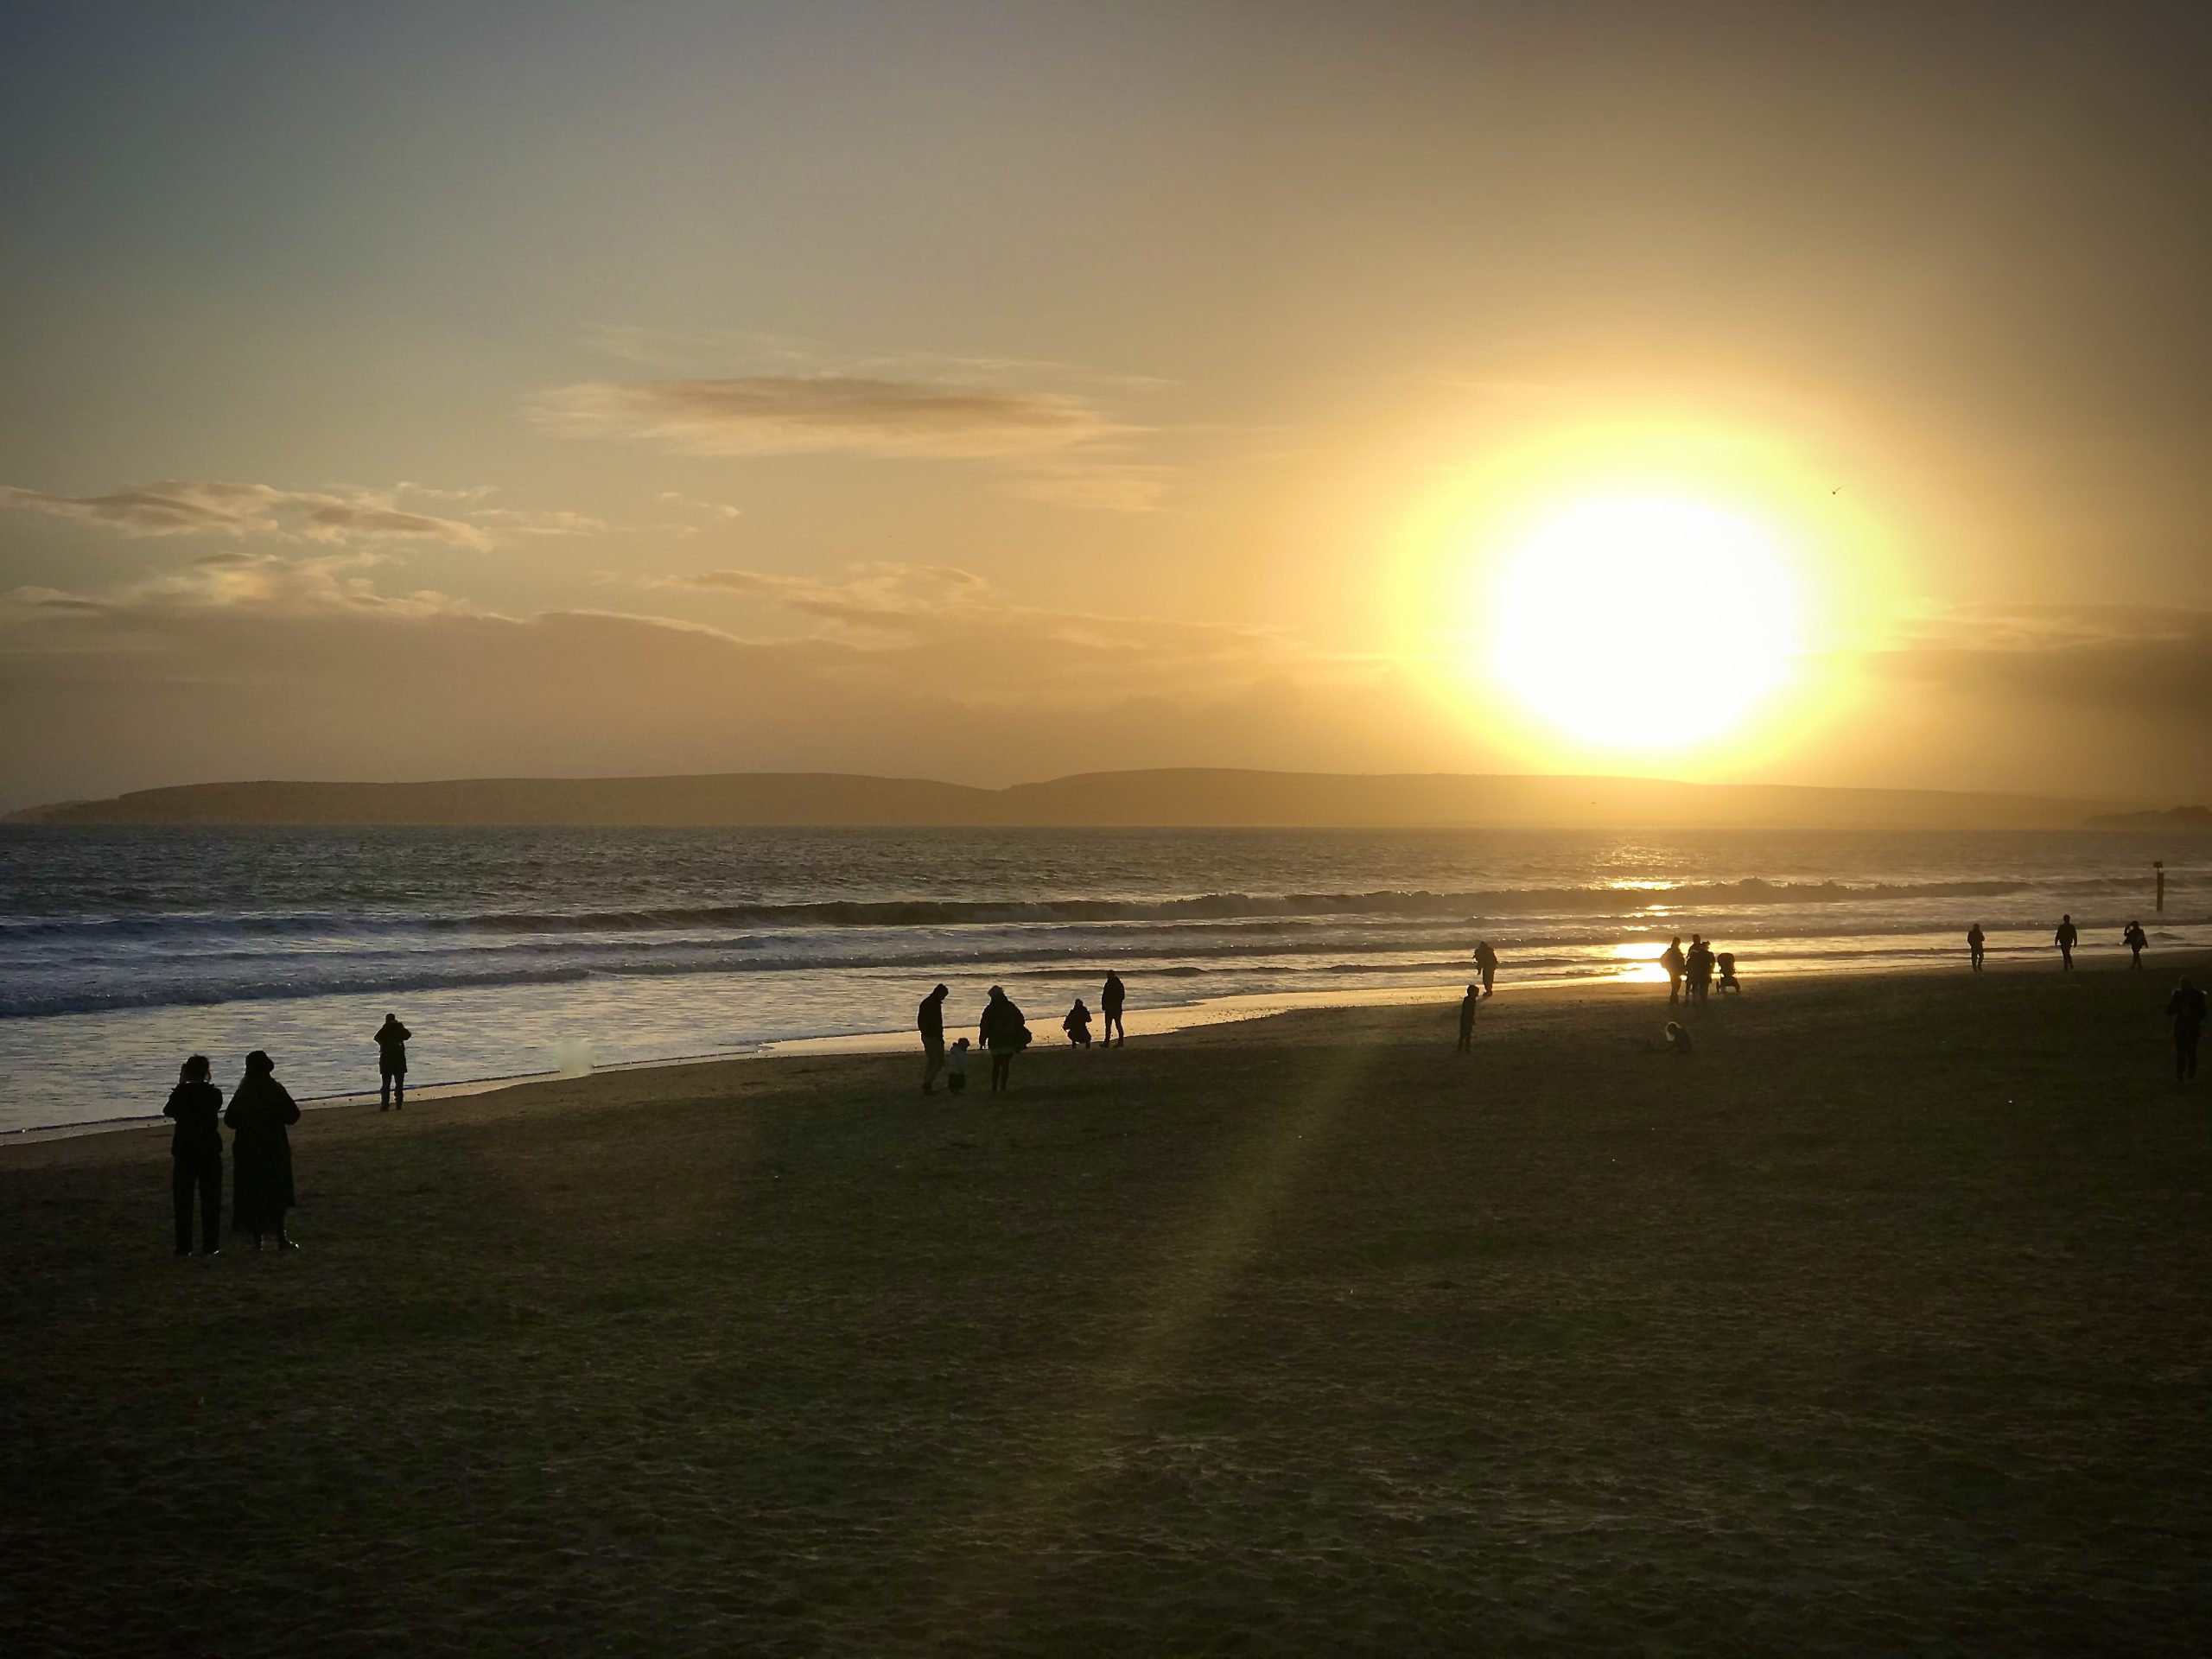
(333, 516)
(1100, 484)
(174, 507)
(713, 509)
(1050, 425)
(272, 584)
(1996, 626)
(938, 611)
(524, 521)
(738, 351)
(783, 415)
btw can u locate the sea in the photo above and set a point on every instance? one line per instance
(520, 952)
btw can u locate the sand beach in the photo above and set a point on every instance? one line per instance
(1876, 1324)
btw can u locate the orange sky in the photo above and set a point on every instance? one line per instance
(993, 391)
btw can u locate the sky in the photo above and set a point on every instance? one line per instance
(993, 391)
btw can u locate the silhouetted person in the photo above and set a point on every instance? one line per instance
(2186, 1009)
(261, 1152)
(930, 1021)
(1486, 960)
(1677, 1041)
(1697, 968)
(1976, 939)
(956, 1067)
(391, 1063)
(1110, 996)
(1468, 1004)
(2065, 939)
(1077, 1025)
(1001, 1030)
(2137, 941)
(196, 1156)
(1726, 962)
(1676, 965)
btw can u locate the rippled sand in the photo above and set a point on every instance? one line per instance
(1878, 1322)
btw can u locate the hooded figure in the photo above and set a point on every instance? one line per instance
(261, 1152)
(1077, 1025)
(1002, 1031)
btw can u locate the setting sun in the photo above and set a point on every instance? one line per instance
(1645, 623)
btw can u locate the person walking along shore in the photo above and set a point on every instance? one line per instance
(196, 1156)
(930, 1021)
(1486, 965)
(1110, 997)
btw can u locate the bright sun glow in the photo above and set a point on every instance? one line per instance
(1646, 624)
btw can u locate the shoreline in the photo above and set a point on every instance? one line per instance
(1169, 1020)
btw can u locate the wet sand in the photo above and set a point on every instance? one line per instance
(1878, 1322)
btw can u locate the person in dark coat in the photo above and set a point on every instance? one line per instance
(1698, 967)
(1004, 1033)
(1468, 1004)
(1077, 1025)
(1110, 996)
(1486, 965)
(1977, 946)
(1676, 965)
(261, 1152)
(2137, 942)
(929, 1021)
(2066, 939)
(196, 1156)
(2186, 1008)
(391, 1063)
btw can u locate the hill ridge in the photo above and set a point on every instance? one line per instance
(1188, 796)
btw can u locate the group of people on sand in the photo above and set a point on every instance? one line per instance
(2066, 937)
(1692, 974)
(260, 1113)
(1004, 1032)
(259, 1117)
(261, 1110)
(2185, 1007)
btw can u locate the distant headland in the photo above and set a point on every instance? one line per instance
(1191, 798)
(2196, 818)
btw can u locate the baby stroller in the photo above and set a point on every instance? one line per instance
(1727, 963)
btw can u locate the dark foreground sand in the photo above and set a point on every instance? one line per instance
(1878, 1324)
